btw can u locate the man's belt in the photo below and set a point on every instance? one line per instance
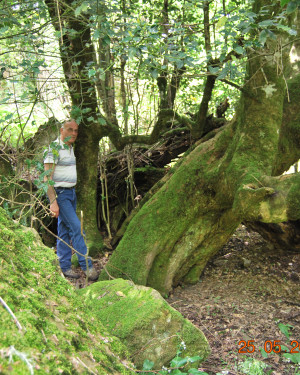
(64, 188)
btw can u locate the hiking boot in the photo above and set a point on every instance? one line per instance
(70, 273)
(92, 274)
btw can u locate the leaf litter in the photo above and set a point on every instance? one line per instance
(249, 294)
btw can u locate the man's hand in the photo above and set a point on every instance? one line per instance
(54, 208)
(51, 191)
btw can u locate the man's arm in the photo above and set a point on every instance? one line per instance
(51, 192)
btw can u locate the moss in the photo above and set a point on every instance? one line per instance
(58, 331)
(148, 168)
(143, 320)
(153, 230)
(293, 199)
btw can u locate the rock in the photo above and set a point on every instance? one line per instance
(143, 320)
(51, 330)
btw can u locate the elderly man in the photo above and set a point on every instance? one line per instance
(61, 162)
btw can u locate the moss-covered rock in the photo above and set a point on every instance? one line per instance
(53, 332)
(142, 319)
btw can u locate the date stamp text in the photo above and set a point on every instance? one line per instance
(269, 346)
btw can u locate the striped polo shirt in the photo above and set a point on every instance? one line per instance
(65, 174)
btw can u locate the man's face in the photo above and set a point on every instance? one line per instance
(70, 131)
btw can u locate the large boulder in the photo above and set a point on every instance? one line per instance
(143, 320)
(45, 325)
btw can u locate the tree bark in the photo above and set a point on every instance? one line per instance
(77, 52)
(222, 182)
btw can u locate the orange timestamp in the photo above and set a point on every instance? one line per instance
(274, 346)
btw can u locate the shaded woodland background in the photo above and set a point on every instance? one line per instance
(188, 116)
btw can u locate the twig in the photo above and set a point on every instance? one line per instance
(11, 313)
(87, 254)
(84, 365)
(110, 276)
(49, 231)
(43, 333)
(22, 356)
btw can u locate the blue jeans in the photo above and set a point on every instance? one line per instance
(69, 228)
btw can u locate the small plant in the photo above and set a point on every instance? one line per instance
(252, 366)
(294, 354)
(176, 365)
(290, 351)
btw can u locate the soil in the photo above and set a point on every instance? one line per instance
(247, 303)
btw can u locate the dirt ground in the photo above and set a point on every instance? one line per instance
(246, 293)
(247, 298)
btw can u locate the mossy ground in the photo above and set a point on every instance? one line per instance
(58, 335)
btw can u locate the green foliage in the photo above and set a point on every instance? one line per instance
(292, 355)
(177, 365)
(151, 40)
(284, 328)
(292, 5)
(26, 55)
(252, 366)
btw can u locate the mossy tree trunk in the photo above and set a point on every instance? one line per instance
(77, 53)
(233, 177)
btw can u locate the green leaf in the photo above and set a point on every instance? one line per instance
(178, 372)
(287, 29)
(154, 73)
(178, 362)
(91, 72)
(292, 31)
(75, 112)
(9, 116)
(96, 34)
(271, 35)
(266, 23)
(221, 23)
(263, 36)
(81, 9)
(194, 359)
(147, 365)
(295, 358)
(102, 121)
(292, 6)
(240, 50)
(284, 349)
(213, 70)
(194, 371)
(284, 328)
(283, 2)
(179, 64)
(263, 353)
(223, 73)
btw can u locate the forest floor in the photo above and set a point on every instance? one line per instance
(246, 303)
